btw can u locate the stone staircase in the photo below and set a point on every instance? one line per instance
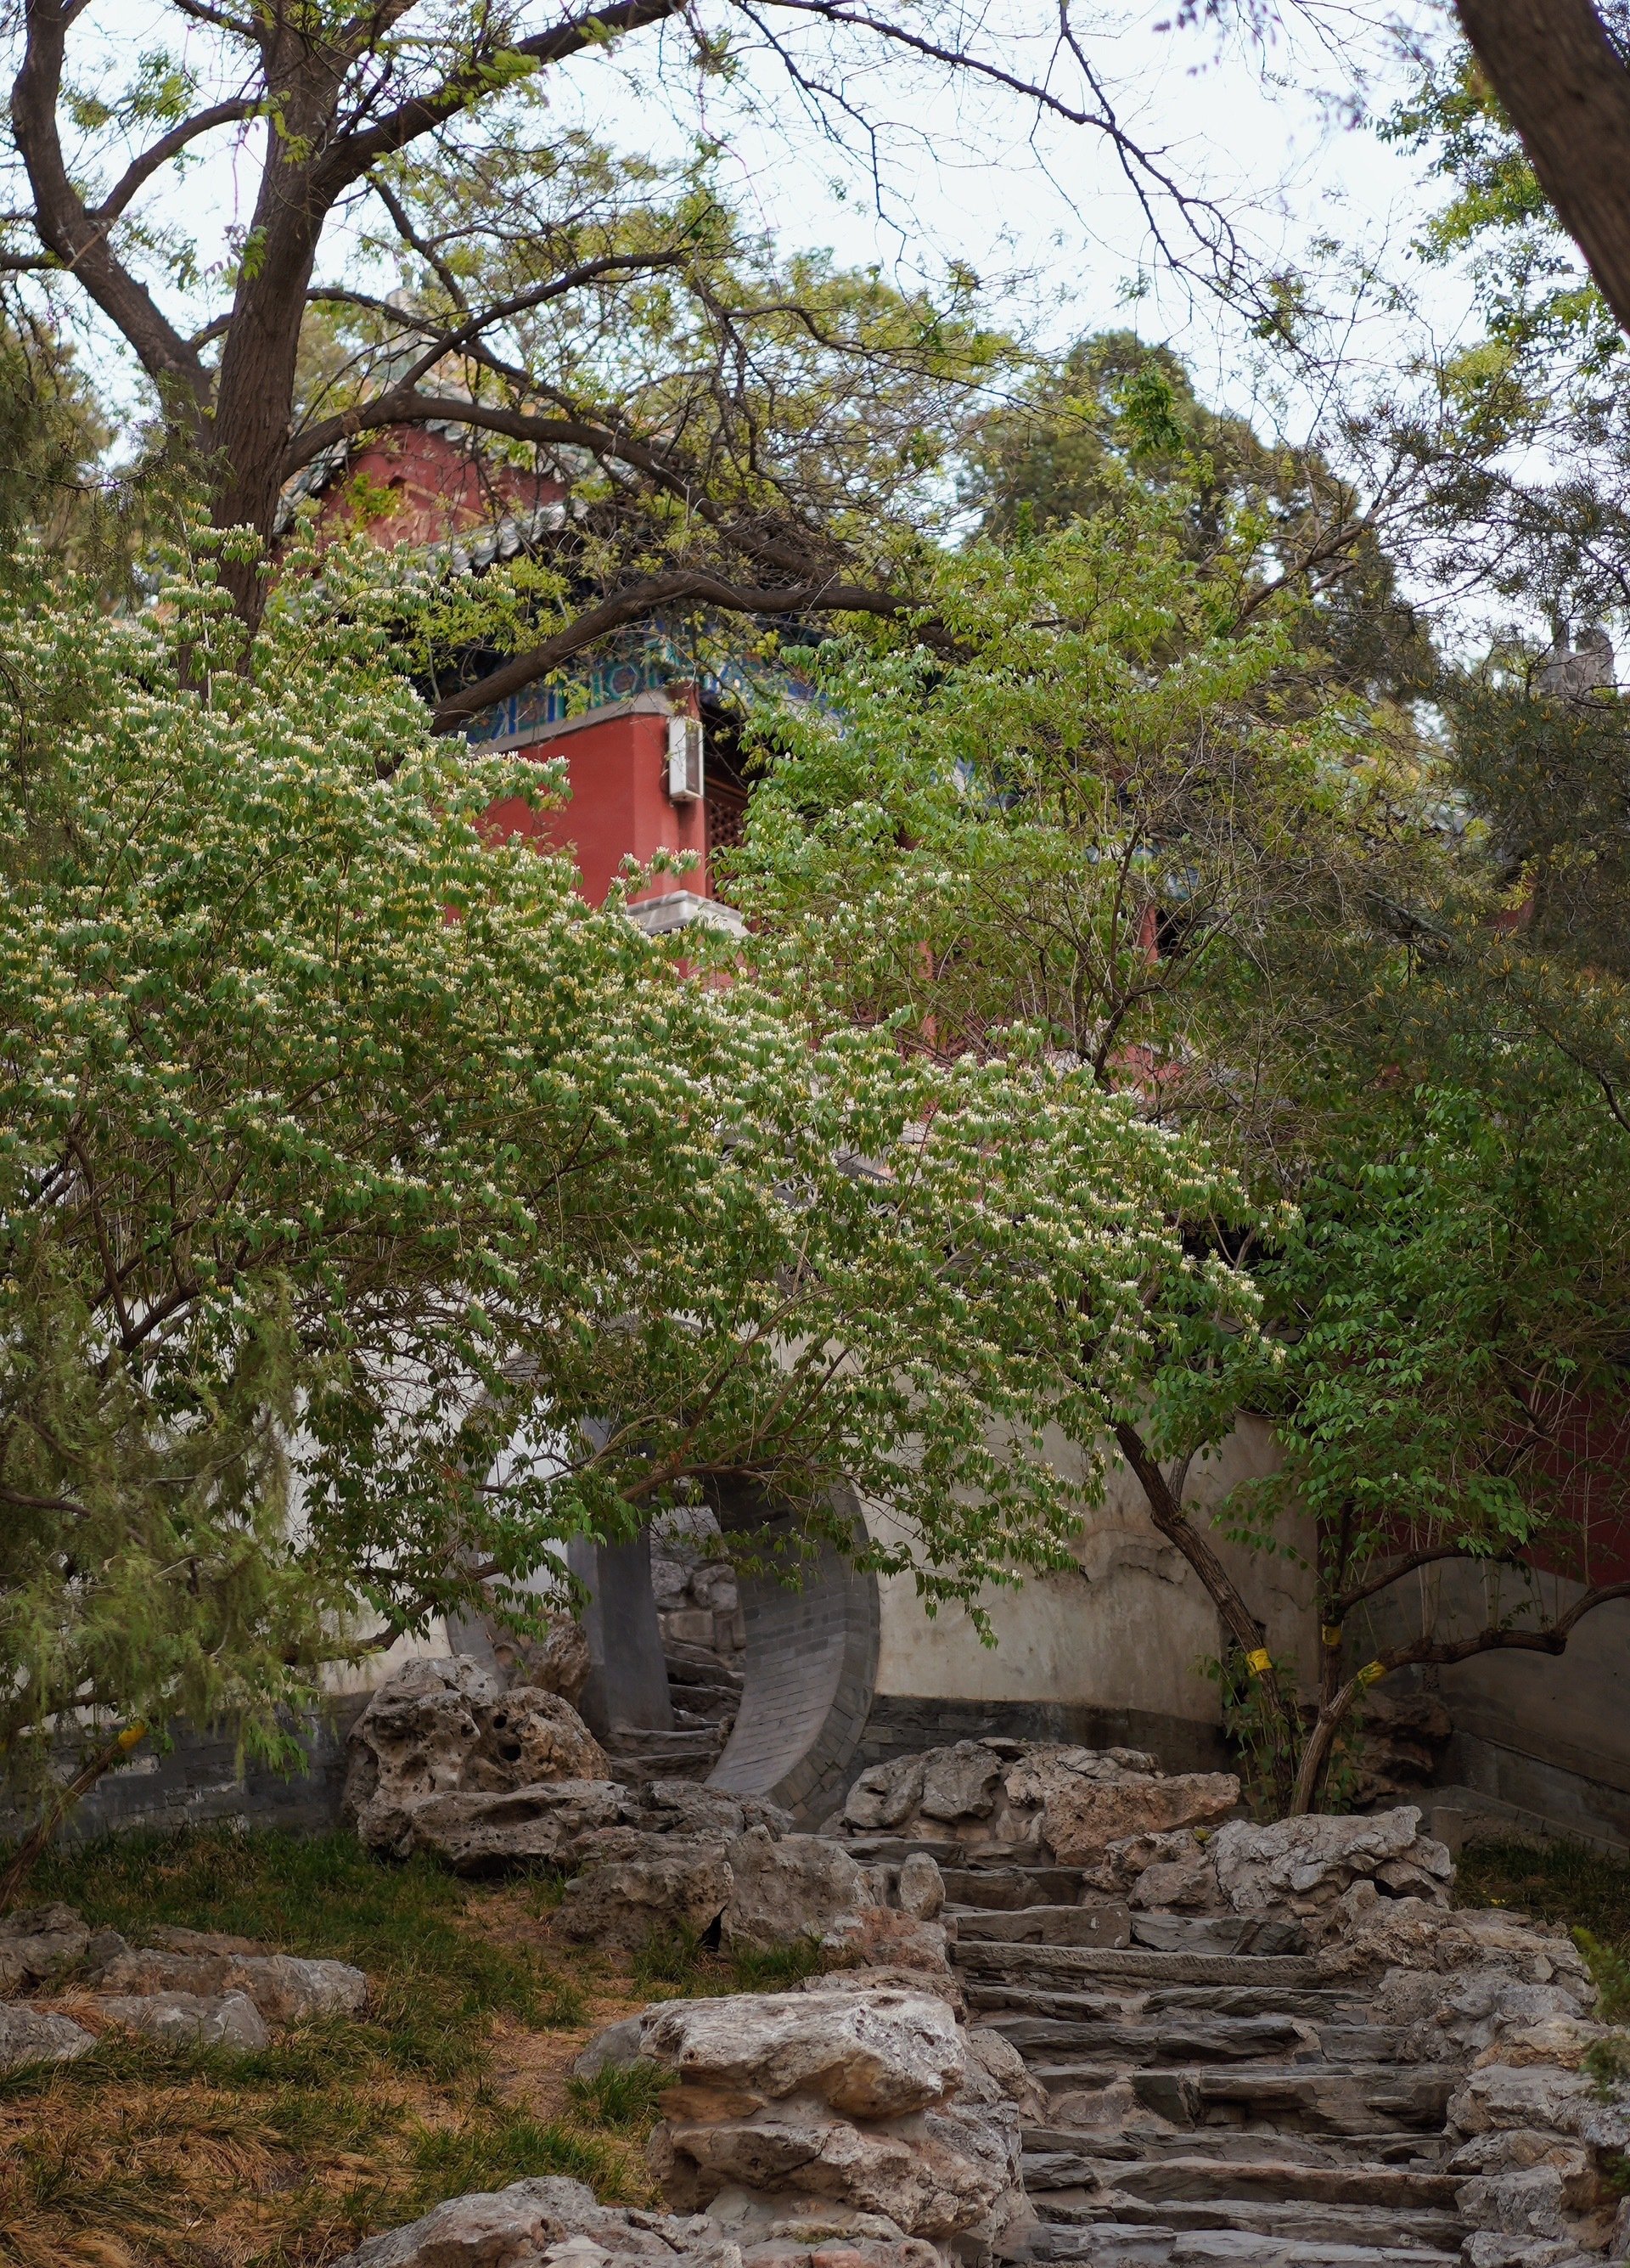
(1210, 2100)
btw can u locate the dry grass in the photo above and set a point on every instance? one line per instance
(140, 2156)
(1559, 1881)
(456, 2077)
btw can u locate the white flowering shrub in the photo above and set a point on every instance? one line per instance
(341, 1146)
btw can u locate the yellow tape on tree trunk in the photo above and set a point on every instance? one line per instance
(1259, 1662)
(1370, 1671)
(1331, 1634)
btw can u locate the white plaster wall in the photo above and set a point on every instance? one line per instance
(1126, 1631)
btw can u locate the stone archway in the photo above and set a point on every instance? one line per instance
(810, 1670)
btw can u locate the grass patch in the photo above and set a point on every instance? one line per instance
(142, 2155)
(671, 1961)
(674, 1961)
(1569, 1882)
(488, 2150)
(626, 2096)
(782, 1968)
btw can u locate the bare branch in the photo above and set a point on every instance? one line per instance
(683, 586)
(353, 155)
(169, 145)
(77, 239)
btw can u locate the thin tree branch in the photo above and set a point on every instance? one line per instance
(683, 586)
(169, 145)
(354, 154)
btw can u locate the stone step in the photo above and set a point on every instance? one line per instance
(1236, 2146)
(1309, 2097)
(880, 1850)
(1111, 2245)
(993, 1998)
(1106, 1922)
(1061, 1964)
(1377, 2226)
(1008, 1888)
(1202, 2039)
(695, 1666)
(1199, 2178)
(1169, 1933)
(1103, 1925)
(628, 1740)
(1350, 2042)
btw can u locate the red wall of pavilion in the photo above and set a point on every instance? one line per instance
(618, 773)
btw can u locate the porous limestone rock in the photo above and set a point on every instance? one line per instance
(531, 1736)
(1032, 1795)
(798, 1885)
(37, 1941)
(1170, 1873)
(556, 1663)
(884, 1796)
(876, 2055)
(480, 1834)
(1085, 1815)
(866, 2101)
(29, 2035)
(1538, 2143)
(284, 1988)
(636, 1884)
(960, 1782)
(998, 2072)
(920, 1888)
(943, 2177)
(1304, 1867)
(226, 2019)
(418, 1732)
(549, 2223)
(1540, 2099)
(1376, 1934)
(1469, 2012)
(680, 1806)
(614, 2046)
(441, 1728)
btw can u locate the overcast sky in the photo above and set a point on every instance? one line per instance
(1041, 212)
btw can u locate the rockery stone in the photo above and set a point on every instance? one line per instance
(285, 1989)
(643, 1883)
(876, 2055)
(440, 1728)
(226, 2019)
(37, 1941)
(29, 2035)
(1303, 1868)
(798, 1885)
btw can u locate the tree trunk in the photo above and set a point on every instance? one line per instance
(1249, 1634)
(255, 395)
(33, 1845)
(1563, 85)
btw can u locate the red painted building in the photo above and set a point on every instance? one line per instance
(649, 753)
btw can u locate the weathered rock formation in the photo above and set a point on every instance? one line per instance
(761, 1889)
(863, 2109)
(1068, 1803)
(440, 1729)
(192, 1986)
(556, 2223)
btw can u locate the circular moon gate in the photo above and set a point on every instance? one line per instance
(810, 1670)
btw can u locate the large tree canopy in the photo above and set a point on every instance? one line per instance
(761, 426)
(345, 1149)
(1142, 814)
